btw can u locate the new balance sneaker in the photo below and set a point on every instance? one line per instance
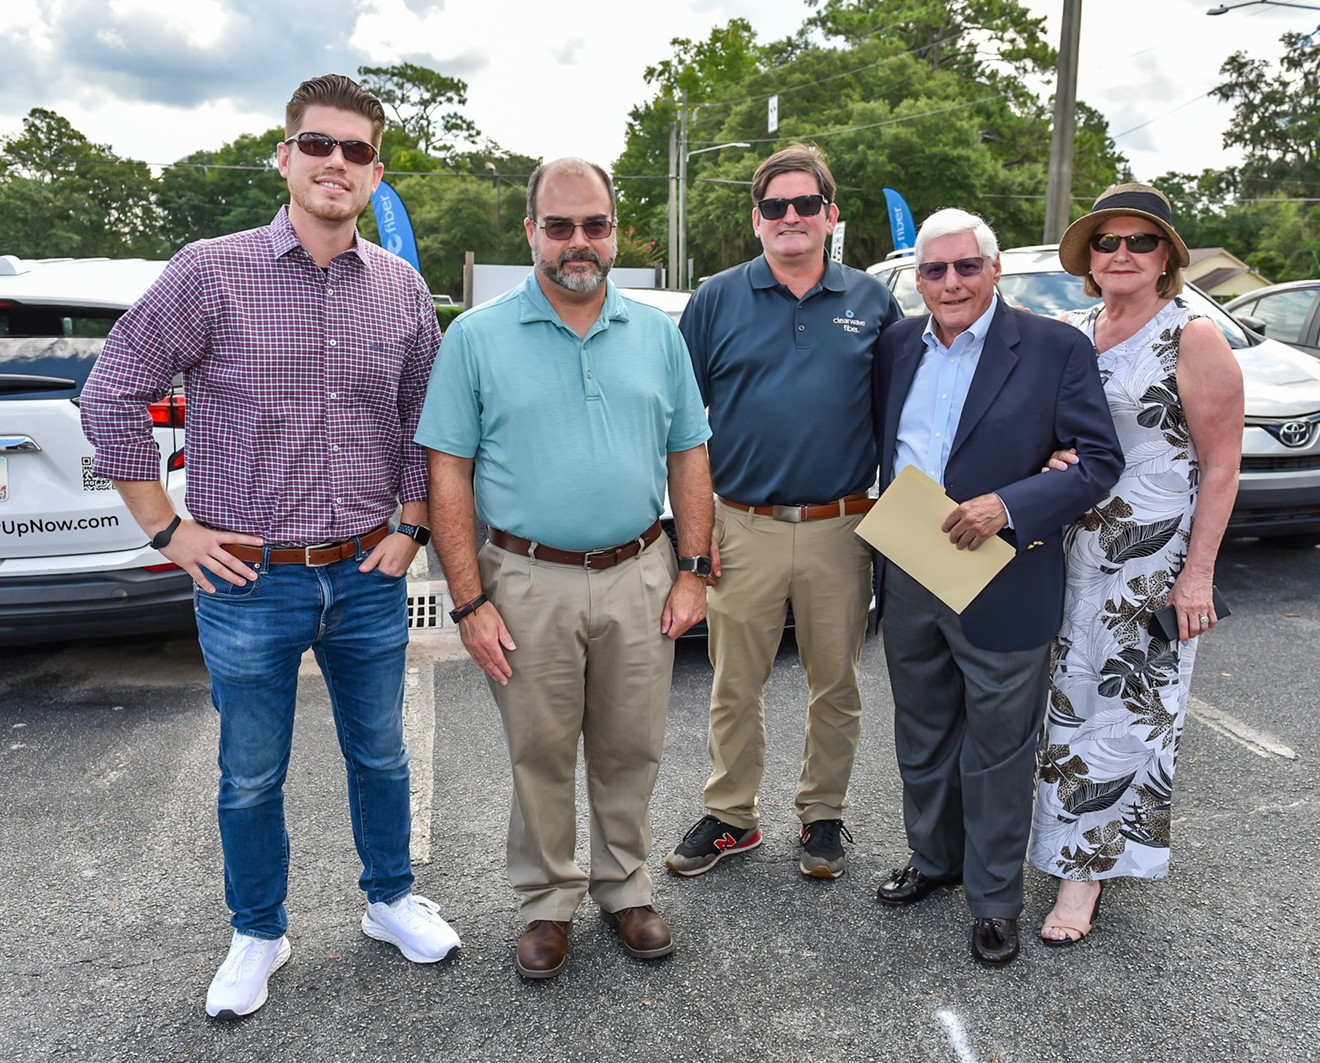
(707, 842)
(239, 987)
(413, 925)
(822, 848)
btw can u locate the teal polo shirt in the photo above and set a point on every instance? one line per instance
(788, 381)
(570, 437)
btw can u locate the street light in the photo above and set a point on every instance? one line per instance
(683, 157)
(1224, 9)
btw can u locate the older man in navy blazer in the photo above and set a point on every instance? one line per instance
(978, 395)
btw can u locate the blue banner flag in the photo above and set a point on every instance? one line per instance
(396, 234)
(901, 225)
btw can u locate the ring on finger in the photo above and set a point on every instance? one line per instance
(1205, 621)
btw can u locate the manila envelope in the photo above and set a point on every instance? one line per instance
(904, 525)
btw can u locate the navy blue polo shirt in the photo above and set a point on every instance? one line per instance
(787, 381)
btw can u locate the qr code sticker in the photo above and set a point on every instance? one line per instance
(92, 482)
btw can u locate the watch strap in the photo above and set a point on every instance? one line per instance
(162, 538)
(418, 533)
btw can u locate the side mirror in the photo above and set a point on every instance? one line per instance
(1254, 323)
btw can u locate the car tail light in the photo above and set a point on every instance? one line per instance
(176, 461)
(168, 413)
(161, 568)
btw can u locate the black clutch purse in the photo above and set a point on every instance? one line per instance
(1165, 622)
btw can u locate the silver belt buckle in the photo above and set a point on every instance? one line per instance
(791, 514)
(587, 555)
(307, 555)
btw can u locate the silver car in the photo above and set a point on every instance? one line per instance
(73, 562)
(1279, 489)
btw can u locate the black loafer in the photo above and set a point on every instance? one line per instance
(910, 885)
(995, 941)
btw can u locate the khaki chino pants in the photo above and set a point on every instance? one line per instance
(591, 662)
(824, 569)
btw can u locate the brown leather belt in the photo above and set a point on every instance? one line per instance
(843, 507)
(312, 556)
(595, 560)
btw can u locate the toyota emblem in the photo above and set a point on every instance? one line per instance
(1295, 433)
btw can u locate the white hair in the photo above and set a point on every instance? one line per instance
(952, 220)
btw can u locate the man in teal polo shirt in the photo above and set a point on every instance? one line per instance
(783, 347)
(558, 412)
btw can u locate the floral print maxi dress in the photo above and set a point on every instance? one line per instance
(1118, 695)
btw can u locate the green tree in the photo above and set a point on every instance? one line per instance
(60, 194)
(931, 98)
(209, 193)
(417, 97)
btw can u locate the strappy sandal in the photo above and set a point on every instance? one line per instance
(1080, 931)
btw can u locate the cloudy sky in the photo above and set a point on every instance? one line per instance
(158, 79)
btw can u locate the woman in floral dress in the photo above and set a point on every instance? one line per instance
(1118, 696)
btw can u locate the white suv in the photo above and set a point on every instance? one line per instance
(73, 562)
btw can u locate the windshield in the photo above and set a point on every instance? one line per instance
(1055, 293)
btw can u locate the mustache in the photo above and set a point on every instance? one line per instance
(586, 254)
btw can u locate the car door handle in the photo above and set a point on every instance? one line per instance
(19, 445)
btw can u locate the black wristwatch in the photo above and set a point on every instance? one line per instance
(162, 538)
(416, 532)
(701, 565)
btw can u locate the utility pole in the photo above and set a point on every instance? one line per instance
(1058, 197)
(682, 191)
(672, 274)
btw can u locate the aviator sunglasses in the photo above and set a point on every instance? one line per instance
(1137, 243)
(806, 206)
(964, 267)
(320, 146)
(592, 228)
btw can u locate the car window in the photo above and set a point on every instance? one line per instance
(1049, 294)
(905, 291)
(51, 345)
(1284, 313)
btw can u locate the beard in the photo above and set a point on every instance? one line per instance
(575, 279)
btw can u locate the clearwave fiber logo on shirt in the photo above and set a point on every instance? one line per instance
(850, 322)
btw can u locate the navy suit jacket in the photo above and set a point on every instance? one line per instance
(1036, 390)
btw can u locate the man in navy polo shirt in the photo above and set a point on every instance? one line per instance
(782, 347)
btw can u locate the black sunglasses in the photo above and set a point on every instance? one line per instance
(964, 267)
(320, 146)
(806, 207)
(563, 228)
(1137, 243)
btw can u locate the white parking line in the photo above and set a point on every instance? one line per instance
(953, 1026)
(419, 737)
(1243, 734)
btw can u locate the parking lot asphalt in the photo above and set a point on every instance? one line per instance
(112, 917)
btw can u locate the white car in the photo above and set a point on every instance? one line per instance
(1279, 487)
(73, 562)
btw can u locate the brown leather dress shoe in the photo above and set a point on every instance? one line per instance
(643, 932)
(542, 949)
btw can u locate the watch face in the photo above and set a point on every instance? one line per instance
(700, 565)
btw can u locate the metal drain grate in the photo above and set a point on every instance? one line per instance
(428, 605)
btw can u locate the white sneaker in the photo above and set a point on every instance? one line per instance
(413, 924)
(239, 987)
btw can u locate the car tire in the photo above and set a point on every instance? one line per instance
(1295, 542)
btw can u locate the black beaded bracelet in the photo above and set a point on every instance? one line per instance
(467, 610)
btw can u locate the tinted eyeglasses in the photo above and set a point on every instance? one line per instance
(1137, 243)
(592, 228)
(964, 267)
(806, 206)
(320, 146)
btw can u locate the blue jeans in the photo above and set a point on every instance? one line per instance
(252, 639)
